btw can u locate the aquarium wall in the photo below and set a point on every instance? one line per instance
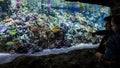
(44, 24)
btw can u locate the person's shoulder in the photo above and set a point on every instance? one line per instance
(114, 40)
(115, 36)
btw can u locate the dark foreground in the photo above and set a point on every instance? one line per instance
(75, 59)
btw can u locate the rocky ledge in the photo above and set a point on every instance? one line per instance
(82, 58)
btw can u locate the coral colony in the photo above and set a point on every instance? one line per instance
(35, 25)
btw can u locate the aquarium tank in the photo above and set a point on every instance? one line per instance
(47, 24)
